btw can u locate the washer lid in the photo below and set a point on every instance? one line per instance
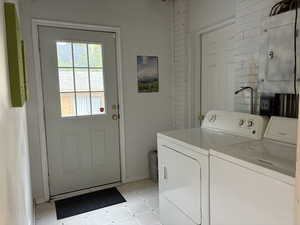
(269, 154)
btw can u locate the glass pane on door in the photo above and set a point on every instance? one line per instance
(81, 79)
(83, 103)
(67, 104)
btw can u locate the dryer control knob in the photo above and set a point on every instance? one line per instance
(241, 122)
(213, 118)
(250, 123)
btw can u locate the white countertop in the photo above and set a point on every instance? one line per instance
(268, 154)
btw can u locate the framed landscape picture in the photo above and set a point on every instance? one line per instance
(148, 75)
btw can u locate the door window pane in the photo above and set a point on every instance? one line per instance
(81, 83)
(82, 80)
(98, 103)
(80, 55)
(67, 104)
(96, 76)
(95, 55)
(83, 104)
(66, 82)
(64, 54)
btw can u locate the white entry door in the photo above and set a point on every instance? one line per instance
(81, 108)
(217, 70)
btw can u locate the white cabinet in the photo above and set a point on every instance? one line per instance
(241, 196)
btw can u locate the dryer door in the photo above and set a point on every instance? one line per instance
(180, 184)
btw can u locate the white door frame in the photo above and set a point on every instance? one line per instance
(195, 82)
(38, 72)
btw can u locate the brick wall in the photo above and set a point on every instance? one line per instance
(180, 62)
(251, 19)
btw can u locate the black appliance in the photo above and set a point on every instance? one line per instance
(285, 105)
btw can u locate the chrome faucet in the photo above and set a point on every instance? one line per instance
(252, 96)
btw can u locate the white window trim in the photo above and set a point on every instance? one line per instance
(41, 119)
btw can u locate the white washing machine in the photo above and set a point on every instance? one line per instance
(253, 183)
(183, 157)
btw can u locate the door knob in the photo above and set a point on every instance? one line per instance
(115, 117)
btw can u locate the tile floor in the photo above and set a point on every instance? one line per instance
(141, 208)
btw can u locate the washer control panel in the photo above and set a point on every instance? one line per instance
(241, 124)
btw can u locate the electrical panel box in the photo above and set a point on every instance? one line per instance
(276, 58)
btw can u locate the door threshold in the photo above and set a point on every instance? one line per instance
(83, 191)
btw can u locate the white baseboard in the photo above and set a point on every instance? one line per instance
(134, 179)
(85, 191)
(40, 200)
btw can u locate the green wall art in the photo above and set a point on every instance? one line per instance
(16, 56)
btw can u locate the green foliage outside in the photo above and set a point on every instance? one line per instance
(64, 54)
(150, 86)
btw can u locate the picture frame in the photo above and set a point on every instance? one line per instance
(147, 74)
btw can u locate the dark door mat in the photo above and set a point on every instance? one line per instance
(87, 202)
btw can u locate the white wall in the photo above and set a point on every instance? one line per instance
(297, 199)
(204, 13)
(145, 30)
(15, 188)
(197, 15)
